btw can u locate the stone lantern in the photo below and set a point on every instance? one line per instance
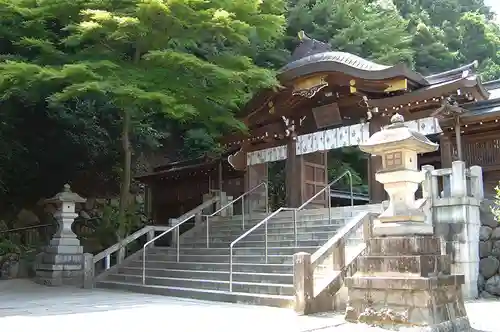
(61, 262)
(402, 279)
(399, 148)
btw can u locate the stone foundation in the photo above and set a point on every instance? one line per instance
(405, 281)
(60, 265)
(489, 251)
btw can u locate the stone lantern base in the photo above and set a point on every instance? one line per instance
(404, 281)
(60, 263)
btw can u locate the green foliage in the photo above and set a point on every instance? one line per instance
(361, 27)
(108, 229)
(495, 209)
(71, 71)
(76, 76)
(9, 247)
(450, 33)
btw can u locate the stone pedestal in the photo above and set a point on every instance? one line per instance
(61, 262)
(405, 281)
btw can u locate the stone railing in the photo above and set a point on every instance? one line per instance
(457, 181)
(455, 195)
(119, 249)
(319, 277)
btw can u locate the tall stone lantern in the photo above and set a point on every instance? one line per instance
(399, 147)
(61, 261)
(402, 279)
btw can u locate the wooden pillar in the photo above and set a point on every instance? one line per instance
(315, 179)
(294, 179)
(376, 189)
(446, 149)
(255, 175)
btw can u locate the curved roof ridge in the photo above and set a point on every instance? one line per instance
(452, 73)
(349, 59)
(347, 63)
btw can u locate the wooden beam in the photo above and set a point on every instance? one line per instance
(269, 130)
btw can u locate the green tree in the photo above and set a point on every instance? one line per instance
(187, 61)
(449, 33)
(361, 27)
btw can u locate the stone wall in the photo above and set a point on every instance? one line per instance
(489, 252)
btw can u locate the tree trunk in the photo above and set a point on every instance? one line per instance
(127, 164)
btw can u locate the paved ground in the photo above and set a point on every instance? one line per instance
(25, 307)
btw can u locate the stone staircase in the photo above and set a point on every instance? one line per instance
(203, 273)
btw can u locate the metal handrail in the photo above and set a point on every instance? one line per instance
(264, 221)
(327, 187)
(242, 197)
(156, 238)
(295, 210)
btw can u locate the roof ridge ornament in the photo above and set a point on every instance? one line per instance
(308, 46)
(397, 121)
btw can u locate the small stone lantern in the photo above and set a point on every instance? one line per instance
(399, 146)
(65, 215)
(61, 262)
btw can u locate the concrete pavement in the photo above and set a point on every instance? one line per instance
(25, 306)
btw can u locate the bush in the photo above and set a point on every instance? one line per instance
(9, 247)
(495, 209)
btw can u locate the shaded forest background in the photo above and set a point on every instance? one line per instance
(92, 91)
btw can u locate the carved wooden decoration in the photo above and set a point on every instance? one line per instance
(238, 161)
(310, 86)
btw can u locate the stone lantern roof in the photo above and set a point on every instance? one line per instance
(397, 136)
(65, 196)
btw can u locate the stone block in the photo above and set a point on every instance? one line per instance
(303, 282)
(71, 250)
(63, 259)
(418, 245)
(485, 248)
(421, 265)
(88, 271)
(397, 229)
(415, 289)
(485, 233)
(488, 266)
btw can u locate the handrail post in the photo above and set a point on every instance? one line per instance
(243, 212)
(177, 241)
(144, 265)
(350, 185)
(265, 230)
(208, 229)
(329, 205)
(295, 235)
(231, 268)
(267, 197)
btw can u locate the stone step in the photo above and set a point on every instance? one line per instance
(215, 243)
(221, 237)
(236, 250)
(275, 259)
(252, 277)
(276, 224)
(261, 230)
(222, 285)
(213, 266)
(202, 294)
(284, 215)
